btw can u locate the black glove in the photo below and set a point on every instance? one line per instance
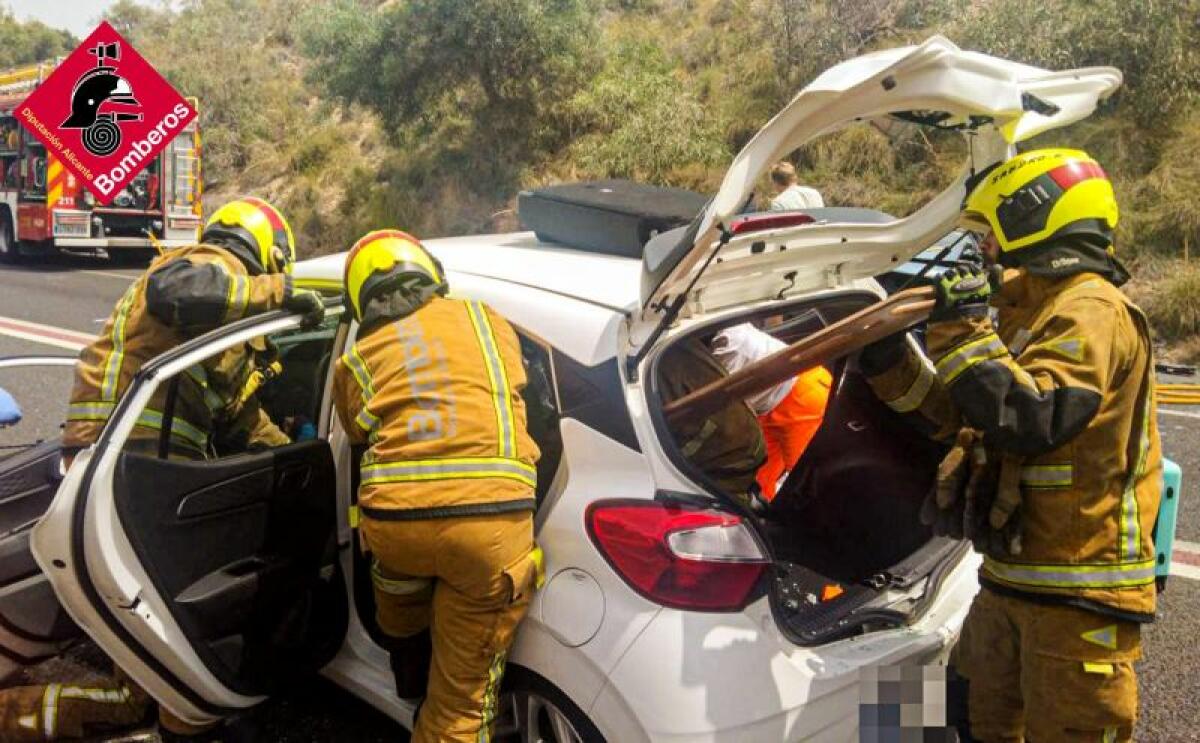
(307, 303)
(962, 291)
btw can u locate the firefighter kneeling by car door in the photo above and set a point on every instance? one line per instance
(1045, 388)
(432, 387)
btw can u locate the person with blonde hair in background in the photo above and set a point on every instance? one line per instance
(789, 194)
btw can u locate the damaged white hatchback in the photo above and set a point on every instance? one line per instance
(670, 612)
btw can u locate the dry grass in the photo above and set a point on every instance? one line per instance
(1168, 290)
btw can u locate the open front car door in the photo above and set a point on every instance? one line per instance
(33, 403)
(212, 577)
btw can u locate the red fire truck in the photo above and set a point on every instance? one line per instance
(44, 208)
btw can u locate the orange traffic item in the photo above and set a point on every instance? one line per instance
(831, 591)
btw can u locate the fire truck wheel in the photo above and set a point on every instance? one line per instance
(9, 253)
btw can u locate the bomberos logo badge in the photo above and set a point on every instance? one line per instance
(105, 113)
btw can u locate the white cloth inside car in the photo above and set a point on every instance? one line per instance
(744, 344)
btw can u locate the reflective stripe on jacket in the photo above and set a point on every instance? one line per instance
(183, 293)
(437, 396)
(1065, 382)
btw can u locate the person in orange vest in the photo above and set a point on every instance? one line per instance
(789, 413)
(432, 388)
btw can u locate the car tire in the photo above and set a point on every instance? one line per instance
(533, 710)
(9, 251)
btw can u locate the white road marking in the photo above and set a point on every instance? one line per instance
(1182, 413)
(47, 334)
(1189, 551)
(110, 275)
(1191, 572)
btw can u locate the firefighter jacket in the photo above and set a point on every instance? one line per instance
(1064, 382)
(436, 397)
(727, 446)
(185, 292)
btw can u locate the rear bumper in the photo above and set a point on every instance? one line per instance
(116, 242)
(715, 677)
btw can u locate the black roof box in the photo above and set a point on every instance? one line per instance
(615, 217)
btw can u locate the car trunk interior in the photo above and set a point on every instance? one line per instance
(843, 530)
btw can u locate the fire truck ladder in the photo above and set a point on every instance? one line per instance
(186, 171)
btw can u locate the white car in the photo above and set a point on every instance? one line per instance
(668, 613)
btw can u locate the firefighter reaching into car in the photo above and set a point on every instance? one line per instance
(432, 389)
(241, 267)
(1056, 395)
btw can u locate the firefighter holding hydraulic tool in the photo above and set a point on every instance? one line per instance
(1045, 387)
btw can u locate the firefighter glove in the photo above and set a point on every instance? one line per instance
(962, 291)
(307, 303)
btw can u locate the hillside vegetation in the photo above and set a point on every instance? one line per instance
(432, 114)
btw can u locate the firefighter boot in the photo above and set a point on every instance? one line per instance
(410, 658)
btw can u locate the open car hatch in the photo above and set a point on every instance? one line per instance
(995, 102)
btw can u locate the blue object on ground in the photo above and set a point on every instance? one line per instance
(10, 411)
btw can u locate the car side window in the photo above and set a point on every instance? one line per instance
(257, 395)
(542, 412)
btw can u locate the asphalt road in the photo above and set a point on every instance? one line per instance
(76, 295)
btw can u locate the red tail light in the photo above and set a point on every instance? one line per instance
(760, 222)
(682, 557)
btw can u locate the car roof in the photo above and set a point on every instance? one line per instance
(517, 258)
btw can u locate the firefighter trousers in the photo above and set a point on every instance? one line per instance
(63, 711)
(1047, 673)
(468, 580)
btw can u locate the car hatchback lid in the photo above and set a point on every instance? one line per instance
(725, 258)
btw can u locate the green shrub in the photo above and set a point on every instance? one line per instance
(641, 121)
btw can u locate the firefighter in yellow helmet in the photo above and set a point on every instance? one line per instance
(1048, 383)
(241, 267)
(432, 389)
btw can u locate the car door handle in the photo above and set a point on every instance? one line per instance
(293, 477)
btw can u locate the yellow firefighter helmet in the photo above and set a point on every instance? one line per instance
(1041, 194)
(256, 231)
(386, 259)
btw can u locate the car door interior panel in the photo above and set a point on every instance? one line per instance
(243, 551)
(32, 622)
